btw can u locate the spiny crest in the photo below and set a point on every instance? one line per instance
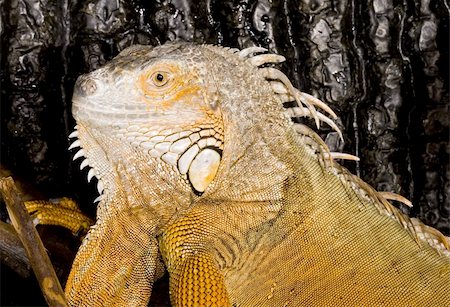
(307, 106)
(85, 163)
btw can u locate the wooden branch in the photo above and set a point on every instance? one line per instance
(12, 252)
(42, 267)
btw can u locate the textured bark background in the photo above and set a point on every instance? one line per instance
(383, 65)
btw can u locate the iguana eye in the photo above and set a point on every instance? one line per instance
(161, 81)
(160, 78)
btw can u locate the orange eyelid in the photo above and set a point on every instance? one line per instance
(178, 87)
(150, 85)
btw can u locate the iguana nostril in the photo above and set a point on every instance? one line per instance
(85, 86)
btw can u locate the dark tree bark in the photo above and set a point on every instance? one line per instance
(383, 65)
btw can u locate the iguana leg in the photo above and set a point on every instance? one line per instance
(117, 263)
(61, 212)
(195, 279)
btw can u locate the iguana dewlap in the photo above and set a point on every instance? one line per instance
(201, 171)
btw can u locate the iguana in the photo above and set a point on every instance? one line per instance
(202, 172)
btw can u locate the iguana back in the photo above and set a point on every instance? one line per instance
(318, 244)
(200, 164)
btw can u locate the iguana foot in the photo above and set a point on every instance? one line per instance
(61, 212)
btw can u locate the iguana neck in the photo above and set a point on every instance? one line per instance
(130, 179)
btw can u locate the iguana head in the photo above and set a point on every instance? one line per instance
(157, 104)
(162, 110)
(178, 116)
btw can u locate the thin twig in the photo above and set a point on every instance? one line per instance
(42, 267)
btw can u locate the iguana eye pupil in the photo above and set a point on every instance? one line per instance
(160, 78)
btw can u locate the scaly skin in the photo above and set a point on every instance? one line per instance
(61, 212)
(201, 169)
